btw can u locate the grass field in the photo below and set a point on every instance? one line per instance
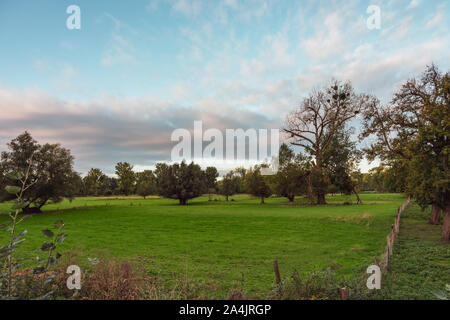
(224, 244)
(420, 266)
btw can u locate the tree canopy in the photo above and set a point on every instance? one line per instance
(51, 172)
(180, 181)
(313, 125)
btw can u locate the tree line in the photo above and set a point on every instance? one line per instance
(409, 135)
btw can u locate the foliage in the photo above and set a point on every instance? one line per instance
(95, 182)
(340, 159)
(51, 175)
(180, 181)
(145, 183)
(229, 185)
(256, 184)
(211, 175)
(314, 124)
(412, 133)
(13, 284)
(126, 178)
(293, 174)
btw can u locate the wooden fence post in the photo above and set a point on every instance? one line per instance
(386, 265)
(343, 293)
(277, 272)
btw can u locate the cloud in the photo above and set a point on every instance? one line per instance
(435, 20)
(119, 51)
(328, 40)
(188, 8)
(105, 130)
(152, 5)
(120, 48)
(413, 4)
(231, 3)
(401, 30)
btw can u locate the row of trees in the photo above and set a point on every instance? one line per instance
(409, 137)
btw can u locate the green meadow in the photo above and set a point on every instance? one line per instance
(222, 244)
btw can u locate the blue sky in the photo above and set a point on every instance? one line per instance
(115, 90)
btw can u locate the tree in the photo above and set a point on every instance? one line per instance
(256, 185)
(93, 182)
(180, 181)
(229, 184)
(145, 183)
(313, 125)
(292, 176)
(429, 173)
(340, 159)
(211, 175)
(412, 132)
(51, 174)
(126, 177)
(109, 185)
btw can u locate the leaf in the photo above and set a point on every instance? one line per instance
(58, 255)
(12, 189)
(48, 233)
(14, 175)
(61, 237)
(24, 232)
(47, 246)
(17, 242)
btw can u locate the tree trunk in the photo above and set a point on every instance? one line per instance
(446, 227)
(262, 199)
(28, 210)
(183, 202)
(291, 199)
(357, 196)
(227, 197)
(321, 198)
(435, 218)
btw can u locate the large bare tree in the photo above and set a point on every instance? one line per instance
(314, 123)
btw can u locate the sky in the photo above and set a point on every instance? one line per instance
(115, 89)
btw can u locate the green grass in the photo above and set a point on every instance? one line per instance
(225, 244)
(421, 261)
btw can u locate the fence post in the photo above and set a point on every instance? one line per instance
(386, 265)
(277, 272)
(343, 293)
